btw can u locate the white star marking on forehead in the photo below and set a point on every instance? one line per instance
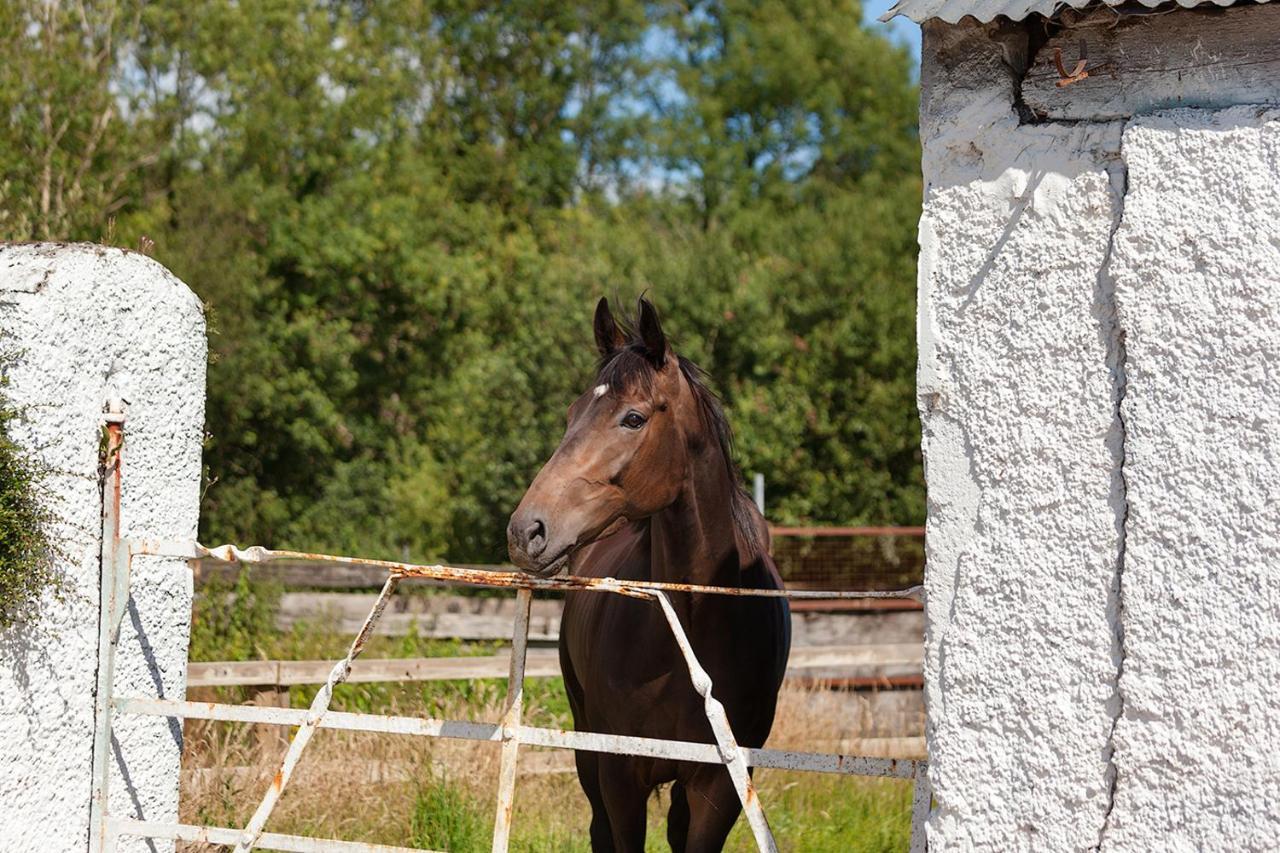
(600, 391)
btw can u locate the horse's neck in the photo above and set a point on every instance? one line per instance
(693, 540)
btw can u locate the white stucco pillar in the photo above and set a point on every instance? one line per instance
(86, 324)
(1099, 381)
(1022, 445)
(1197, 270)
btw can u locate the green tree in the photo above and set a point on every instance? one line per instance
(72, 143)
(399, 216)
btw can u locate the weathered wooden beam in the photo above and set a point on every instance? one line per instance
(489, 618)
(433, 616)
(542, 663)
(1201, 57)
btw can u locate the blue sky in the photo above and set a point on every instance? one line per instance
(900, 30)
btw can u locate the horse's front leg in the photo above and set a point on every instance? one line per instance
(678, 818)
(625, 791)
(713, 809)
(589, 779)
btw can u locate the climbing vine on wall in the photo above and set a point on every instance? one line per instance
(27, 568)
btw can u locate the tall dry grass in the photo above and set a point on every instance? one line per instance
(439, 793)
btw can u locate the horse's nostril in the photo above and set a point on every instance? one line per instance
(526, 538)
(536, 536)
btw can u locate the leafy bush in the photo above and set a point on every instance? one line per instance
(234, 621)
(27, 552)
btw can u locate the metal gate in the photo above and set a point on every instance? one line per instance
(117, 554)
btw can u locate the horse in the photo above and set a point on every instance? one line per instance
(643, 486)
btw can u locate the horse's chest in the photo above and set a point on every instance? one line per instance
(633, 677)
(625, 652)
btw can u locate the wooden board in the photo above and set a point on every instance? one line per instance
(541, 663)
(490, 618)
(478, 618)
(1202, 57)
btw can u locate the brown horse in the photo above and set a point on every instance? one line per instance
(643, 486)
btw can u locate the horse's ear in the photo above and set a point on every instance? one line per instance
(655, 342)
(608, 335)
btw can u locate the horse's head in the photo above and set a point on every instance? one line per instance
(624, 454)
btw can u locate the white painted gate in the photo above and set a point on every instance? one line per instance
(117, 554)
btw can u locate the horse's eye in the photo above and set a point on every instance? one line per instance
(633, 420)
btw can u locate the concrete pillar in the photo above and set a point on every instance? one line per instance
(1019, 404)
(1099, 330)
(86, 324)
(1197, 271)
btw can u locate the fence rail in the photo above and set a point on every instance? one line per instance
(488, 618)
(540, 663)
(107, 829)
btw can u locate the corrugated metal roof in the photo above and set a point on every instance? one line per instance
(985, 11)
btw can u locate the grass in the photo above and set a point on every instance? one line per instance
(440, 794)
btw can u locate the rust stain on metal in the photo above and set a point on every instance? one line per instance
(115, 464)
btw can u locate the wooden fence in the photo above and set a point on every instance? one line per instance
(882, 664)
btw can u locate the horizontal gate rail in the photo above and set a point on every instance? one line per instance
(510, 732)
(704, 753)
(124, 827)
(501, 580)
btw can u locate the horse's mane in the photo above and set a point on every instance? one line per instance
(629, 366)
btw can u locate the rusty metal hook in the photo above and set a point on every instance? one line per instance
(1078, 73)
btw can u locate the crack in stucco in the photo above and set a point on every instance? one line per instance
(1114, 335)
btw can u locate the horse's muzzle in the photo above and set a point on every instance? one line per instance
(527, 538)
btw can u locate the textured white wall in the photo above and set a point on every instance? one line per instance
(88, 324)
(1197, 270)
(1022, 450)
(1099, 381)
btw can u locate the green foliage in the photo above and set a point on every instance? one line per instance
(27, 569)
(63, 161)
(234, 621)
(400, 216)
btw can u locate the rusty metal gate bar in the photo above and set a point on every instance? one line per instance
(114, 586)
(510, 726)
(735, 761)
(319, 707)
(117, 556)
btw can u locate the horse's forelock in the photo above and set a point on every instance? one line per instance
(625, 369)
